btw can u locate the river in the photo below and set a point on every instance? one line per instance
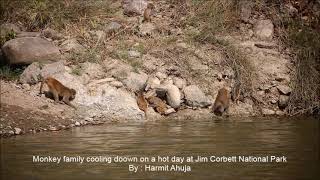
(295, 141)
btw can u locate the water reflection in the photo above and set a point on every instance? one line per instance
(297, 139)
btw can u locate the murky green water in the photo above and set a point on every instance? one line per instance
(295, 139)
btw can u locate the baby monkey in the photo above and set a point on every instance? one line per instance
(59, 90)
(148, 13)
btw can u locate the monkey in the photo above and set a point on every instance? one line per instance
(59, 90)
(148, 13)
(142, 102)
(157, 103)
(221, 103)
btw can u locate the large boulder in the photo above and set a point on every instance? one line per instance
(195, 97)
(263, 29)
(30, 49)
(173, 95)
(241, 109)
(31, 74)
(136, 82)
(134, 7)
(100, 100)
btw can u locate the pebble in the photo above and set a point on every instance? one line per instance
(77, 123)
(17, 131)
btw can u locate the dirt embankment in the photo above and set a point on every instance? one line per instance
(116, 55)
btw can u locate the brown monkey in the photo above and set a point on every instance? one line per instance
(157, 103)
(59, 90)
(148, 13)
(221, 103)
(142, 102)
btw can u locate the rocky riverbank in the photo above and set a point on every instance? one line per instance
(157, 59)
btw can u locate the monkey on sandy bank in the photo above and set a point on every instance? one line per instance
(59, 90)
(148, 13)
(142, 102)
(221, 103)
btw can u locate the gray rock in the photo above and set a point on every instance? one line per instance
(284, 89)
(72, 45)
(26, 87)
(283, 101)
(169, 111)
(113, 27)
(52, 69)
(280, 113)
(161, 75)
(241, 109)
(93, 70)
(267, 112)
(135, 81)
(52, 34)
(146, 29)
(77, 123)
(53, 128)
(31, 75)
(17, 131)
(134, 54)
(117, 68)
(134, 7)
(173, 95)
(152, 83)
(116, 84)
(263, 29)
(195, 97)
(179, 82)
(30, 49)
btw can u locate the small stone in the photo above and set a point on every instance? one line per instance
(280, 113)
(113, 27)
(134, 54)
(264, 29)
(274, 101)
(284, 89)
(17, 131)
(266, 111)
(53, 128)
(169, 111)
(26, 87)
(116, 84)
(77, 123)
(83, 122)
(161, 75)
(179, 82)
(265, 87)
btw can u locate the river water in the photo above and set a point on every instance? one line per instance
(294, 140)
